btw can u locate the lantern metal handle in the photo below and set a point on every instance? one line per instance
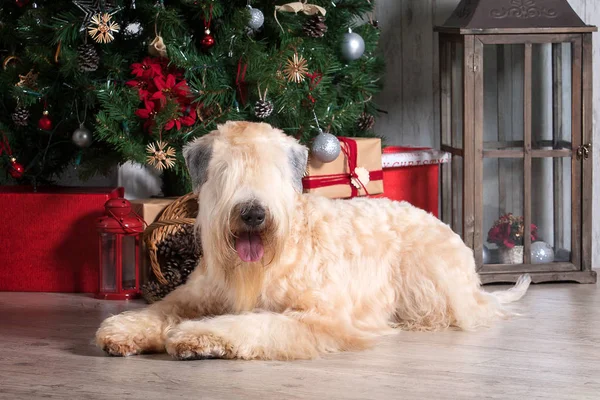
(583, 152)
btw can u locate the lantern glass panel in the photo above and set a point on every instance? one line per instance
(503, 194)
(457, 91)
(108, 261)
(503, 85)
(129, 262)
(551, 208)
(455, 216)
(551, 96)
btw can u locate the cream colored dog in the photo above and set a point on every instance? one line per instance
(291, 276)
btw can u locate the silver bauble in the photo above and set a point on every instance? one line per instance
(326, 147)
(353, 46)
(541, 253)
(257, 19)
(486, 255)
(82, 136)
(133, 28)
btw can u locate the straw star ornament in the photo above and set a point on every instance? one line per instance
(101, 28)
(29, 80)
(296, 69)
(161, 156)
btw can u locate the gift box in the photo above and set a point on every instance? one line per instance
(412, 174)
(150, 210)
(356, 172)
(48, 241)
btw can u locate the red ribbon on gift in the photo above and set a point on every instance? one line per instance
(350, 150)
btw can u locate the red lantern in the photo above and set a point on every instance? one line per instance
(120, 232)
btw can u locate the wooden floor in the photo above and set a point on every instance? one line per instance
(552, 352)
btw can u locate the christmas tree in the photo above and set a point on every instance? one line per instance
(95, 83)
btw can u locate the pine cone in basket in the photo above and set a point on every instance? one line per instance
(181, 244)
(315, 26)
(154, 291)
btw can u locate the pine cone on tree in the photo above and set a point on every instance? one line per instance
(87, 58)
(21, 116)
(366, 122)
(315, 26)
(263, 109)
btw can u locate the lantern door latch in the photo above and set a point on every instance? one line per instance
(583, 152)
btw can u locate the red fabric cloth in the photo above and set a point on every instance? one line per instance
(48, 240)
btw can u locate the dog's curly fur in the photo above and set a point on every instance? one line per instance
(335, 274)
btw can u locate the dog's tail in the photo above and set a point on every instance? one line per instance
(515, 292)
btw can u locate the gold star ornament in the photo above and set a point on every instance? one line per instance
(161, 156)
(296, 69)
(101, 28)
(29, 80)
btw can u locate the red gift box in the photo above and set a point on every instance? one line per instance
(48, 240)
(412, 174)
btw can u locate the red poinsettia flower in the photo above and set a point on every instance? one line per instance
(148, 68)
(148, 112)
(145, 88)
(169, 86)
(183, 120)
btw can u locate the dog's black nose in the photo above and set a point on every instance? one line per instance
(253, 216)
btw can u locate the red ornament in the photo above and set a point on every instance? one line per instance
(208, 40)
(21, 3)
(45, 123)
(16, 170)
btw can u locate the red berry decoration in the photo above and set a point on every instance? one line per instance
(21, 3)
(208, 40)
(16, 170)
(45, 123)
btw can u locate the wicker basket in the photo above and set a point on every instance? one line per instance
(182, 211)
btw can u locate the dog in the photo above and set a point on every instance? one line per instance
(286, 275)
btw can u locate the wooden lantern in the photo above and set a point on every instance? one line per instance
(516, 115)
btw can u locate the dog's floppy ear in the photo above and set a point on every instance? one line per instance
(298, 157)
(197, 156)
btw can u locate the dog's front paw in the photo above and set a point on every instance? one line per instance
(128, 334)
(184, 345)
(118, 348)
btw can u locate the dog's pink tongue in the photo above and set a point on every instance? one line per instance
(249, 247)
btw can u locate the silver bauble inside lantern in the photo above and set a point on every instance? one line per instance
(486, 255)
(353, 46)
(82, 136)
(257, 19)
(541, 253)
(326, 147)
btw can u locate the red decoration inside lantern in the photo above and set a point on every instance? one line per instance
(120, 230)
